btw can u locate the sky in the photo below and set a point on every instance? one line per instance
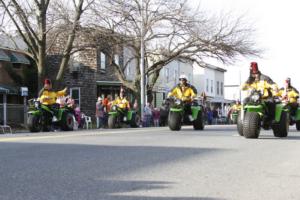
(277, 32)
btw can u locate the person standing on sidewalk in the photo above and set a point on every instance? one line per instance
(147, 115)
(100, 110)
(156, 117)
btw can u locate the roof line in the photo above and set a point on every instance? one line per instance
(15, 50)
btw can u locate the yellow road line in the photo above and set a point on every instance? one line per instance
(96, 132)
(35, 138)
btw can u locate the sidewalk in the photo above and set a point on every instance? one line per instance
(15, 129)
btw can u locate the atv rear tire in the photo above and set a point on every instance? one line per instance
(112, 120)
(281, 129)
(67, 122)
(251, 125)
(298, 125)
(34, 123)
(240, 124)
(174, 121)
(199, 122)
(135, 121)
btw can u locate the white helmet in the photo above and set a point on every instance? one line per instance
(183, 76)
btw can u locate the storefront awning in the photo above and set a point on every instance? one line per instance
(19, 58)
(219, 100)
(4, 56)
(109, 83)
(161, 89)
(3, 90)
(7, 89)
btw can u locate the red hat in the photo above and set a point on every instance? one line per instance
(254, 68)
(47, 81)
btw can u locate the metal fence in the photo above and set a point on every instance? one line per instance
(15, 114)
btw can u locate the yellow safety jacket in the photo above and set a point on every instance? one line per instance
(121, 103)
(48, 97)
(236, 107)
(185, 93)
(291, 93)
(265, 84)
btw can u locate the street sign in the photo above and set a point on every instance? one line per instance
(24, 91)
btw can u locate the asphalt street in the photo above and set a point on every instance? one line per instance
(149, 164)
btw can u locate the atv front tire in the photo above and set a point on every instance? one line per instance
(251, 125)
(174, 121)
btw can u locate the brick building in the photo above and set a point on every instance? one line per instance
(89, 74)
(16, 71)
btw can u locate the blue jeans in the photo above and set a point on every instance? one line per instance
(147, 120)
(100, 122)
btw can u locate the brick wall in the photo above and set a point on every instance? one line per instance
(89, 71)
(4, 76)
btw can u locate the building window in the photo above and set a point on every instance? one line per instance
(75, 63)
(128, 70)
(101, 60)
(175, 75)
(167, 74)
(207, 85)
(75, 94)
(117, 59)
(211, 86)
(222, 88)
(218, 87)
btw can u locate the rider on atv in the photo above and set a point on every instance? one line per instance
(121, 102)
(48, 96)
(259, 81)
(236, 107)
(290, 94)
(185, 92)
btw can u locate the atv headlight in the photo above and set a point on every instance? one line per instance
(114, 108)
(36, 104)
(178, 102)
(255, 97)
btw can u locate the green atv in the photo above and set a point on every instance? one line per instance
(295, 119)
(118, 116)
(42, 117)
(234, 116)
(294, 116)
(254, 115)
(184, 113)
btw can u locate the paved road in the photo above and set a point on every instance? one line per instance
(149, 164)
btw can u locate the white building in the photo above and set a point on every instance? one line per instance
(233, 81)
(169, 77)
(210, 80)
(233, 92)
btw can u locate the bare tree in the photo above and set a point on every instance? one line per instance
(171, 30)
(33, 20)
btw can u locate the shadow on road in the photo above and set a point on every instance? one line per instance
(276, 138)
(69, 171)
(212, 129)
